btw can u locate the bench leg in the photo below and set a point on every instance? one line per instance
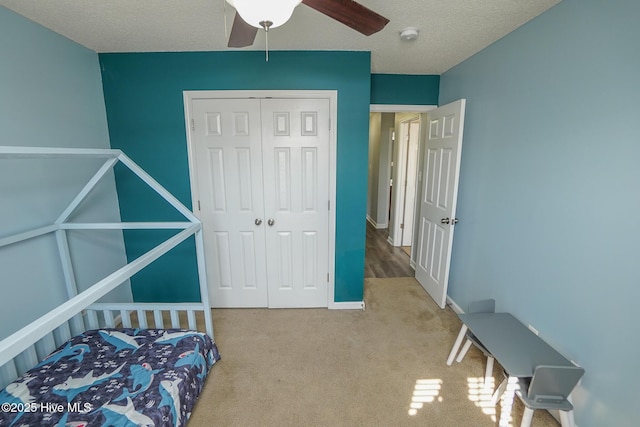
(527, 416)
(465, 349)
(456, 344)
(507, 402)
(566, 419)
(499, 392)
(488, 372)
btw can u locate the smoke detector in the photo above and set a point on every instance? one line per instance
(408, 34)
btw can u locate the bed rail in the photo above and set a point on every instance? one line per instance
(35, 352)
(68, 314)
(106, 315)
(20, 340)
(146, 315)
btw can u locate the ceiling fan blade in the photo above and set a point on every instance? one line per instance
(350, 13)
(242, 34)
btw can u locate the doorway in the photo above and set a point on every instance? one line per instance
(384, 169)
(404, 178)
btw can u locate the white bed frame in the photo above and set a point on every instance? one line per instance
(25, 348)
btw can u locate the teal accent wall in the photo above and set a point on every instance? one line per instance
(404, 89)
(548, 200)
(144, 100)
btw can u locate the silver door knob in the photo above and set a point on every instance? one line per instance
(445, 220)
(271, 221)
(258, 221)
(455, 221)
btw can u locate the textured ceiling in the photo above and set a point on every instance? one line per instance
(450, 30)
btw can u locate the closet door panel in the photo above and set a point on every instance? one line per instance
(295, 146)
(228, 156)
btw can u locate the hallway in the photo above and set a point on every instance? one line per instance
(383, 260)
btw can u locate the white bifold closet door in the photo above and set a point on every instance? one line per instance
(262, 168)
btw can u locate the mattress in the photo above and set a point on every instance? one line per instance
(113, 377)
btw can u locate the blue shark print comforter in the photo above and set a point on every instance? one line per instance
(113, 377)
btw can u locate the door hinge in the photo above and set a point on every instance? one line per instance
(199, 205)
(193, 125)
(328, 205)
(327, 277)
(329, 124)
(401, 226)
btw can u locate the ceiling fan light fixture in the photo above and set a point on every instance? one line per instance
(255, 12)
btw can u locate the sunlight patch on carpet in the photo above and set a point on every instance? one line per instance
(425, 391)
(481, 395)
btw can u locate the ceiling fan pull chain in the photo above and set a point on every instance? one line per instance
(266, 25)
(266, 41)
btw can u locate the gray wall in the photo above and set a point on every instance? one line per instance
(50, 95)
(548, 201)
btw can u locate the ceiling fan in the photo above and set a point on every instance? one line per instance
(249, 17)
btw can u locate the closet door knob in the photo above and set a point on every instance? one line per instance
(445, 220)
(271, 222)
(258, 221)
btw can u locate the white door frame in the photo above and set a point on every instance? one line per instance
(332, 95)
(411, 183)
(403, 108)
(389, 108)
(400, 178)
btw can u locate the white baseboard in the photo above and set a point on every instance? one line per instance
(348, 305)
(455, 307)
(375, 224)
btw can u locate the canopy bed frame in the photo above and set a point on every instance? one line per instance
(25, 348)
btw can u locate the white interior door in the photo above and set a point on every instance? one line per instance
(400, 168)
(262, 177)
(410, 183)
(296, 180)
(227, 148)
(438, 198)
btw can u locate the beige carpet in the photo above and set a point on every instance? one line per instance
(384, 366)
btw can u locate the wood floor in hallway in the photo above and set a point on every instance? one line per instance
(383, 260)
